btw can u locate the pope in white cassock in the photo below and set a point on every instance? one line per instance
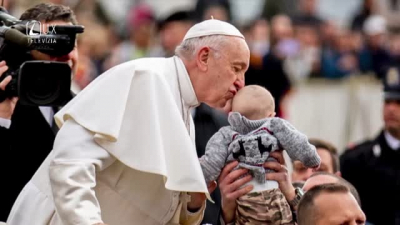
(125, 152)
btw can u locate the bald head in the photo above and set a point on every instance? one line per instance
(315, 207)
(318, 180)
(254, 102)
(321, 178)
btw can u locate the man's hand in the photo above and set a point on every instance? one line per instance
(8, 105)
(281, 175)
(197, 199)
(231, 189)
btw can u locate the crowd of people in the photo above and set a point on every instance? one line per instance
(293, 45)
(111, 157)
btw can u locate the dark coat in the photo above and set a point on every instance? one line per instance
(23, 149)
(207, 122)
(374, 169)
(272, 77)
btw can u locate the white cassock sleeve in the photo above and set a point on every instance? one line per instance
(77, 158)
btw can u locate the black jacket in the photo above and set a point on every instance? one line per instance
(23, 149)
(272, 77)
(207, 122)
(374, 169)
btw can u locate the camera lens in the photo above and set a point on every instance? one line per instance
(44, 83)
(44, 89)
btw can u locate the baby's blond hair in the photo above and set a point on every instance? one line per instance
(254, 102)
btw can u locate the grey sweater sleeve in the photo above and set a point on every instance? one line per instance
(295, 143)
(216, 154)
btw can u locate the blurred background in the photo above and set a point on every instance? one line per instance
(321, 59)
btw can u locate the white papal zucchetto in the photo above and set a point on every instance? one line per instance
(212, 27)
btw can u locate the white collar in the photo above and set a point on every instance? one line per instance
(186, 87)
(392, 141)
(47, 113)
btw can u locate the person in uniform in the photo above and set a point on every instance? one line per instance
(373, 166)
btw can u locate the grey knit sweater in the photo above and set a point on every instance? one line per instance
(250, 142)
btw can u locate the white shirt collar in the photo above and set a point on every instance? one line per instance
(392, 141)
(47, 113)
(188, 93)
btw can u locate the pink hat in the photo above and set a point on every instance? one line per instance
(140, 14)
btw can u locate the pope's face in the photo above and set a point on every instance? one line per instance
(226, 72)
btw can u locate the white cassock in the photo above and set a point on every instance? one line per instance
(125, 153)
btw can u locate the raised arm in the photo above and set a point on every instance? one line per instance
(295, 143)
(216, 154)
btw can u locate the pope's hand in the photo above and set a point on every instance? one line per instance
(197, 199)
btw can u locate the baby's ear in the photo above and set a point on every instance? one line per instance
(273, 114)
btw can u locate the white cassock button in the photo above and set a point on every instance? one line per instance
(376, 150)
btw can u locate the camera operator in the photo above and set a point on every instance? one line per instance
(27, 133)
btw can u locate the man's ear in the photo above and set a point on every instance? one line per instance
(202, 58)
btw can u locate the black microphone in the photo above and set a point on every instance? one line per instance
(15, 36)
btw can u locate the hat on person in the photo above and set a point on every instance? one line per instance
(374, 25)
(178, 16)
(212, 27)
(391, 84)
(140, 14)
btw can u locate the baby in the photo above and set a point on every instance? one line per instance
(253, 133)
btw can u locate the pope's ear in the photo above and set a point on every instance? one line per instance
(202, 58)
